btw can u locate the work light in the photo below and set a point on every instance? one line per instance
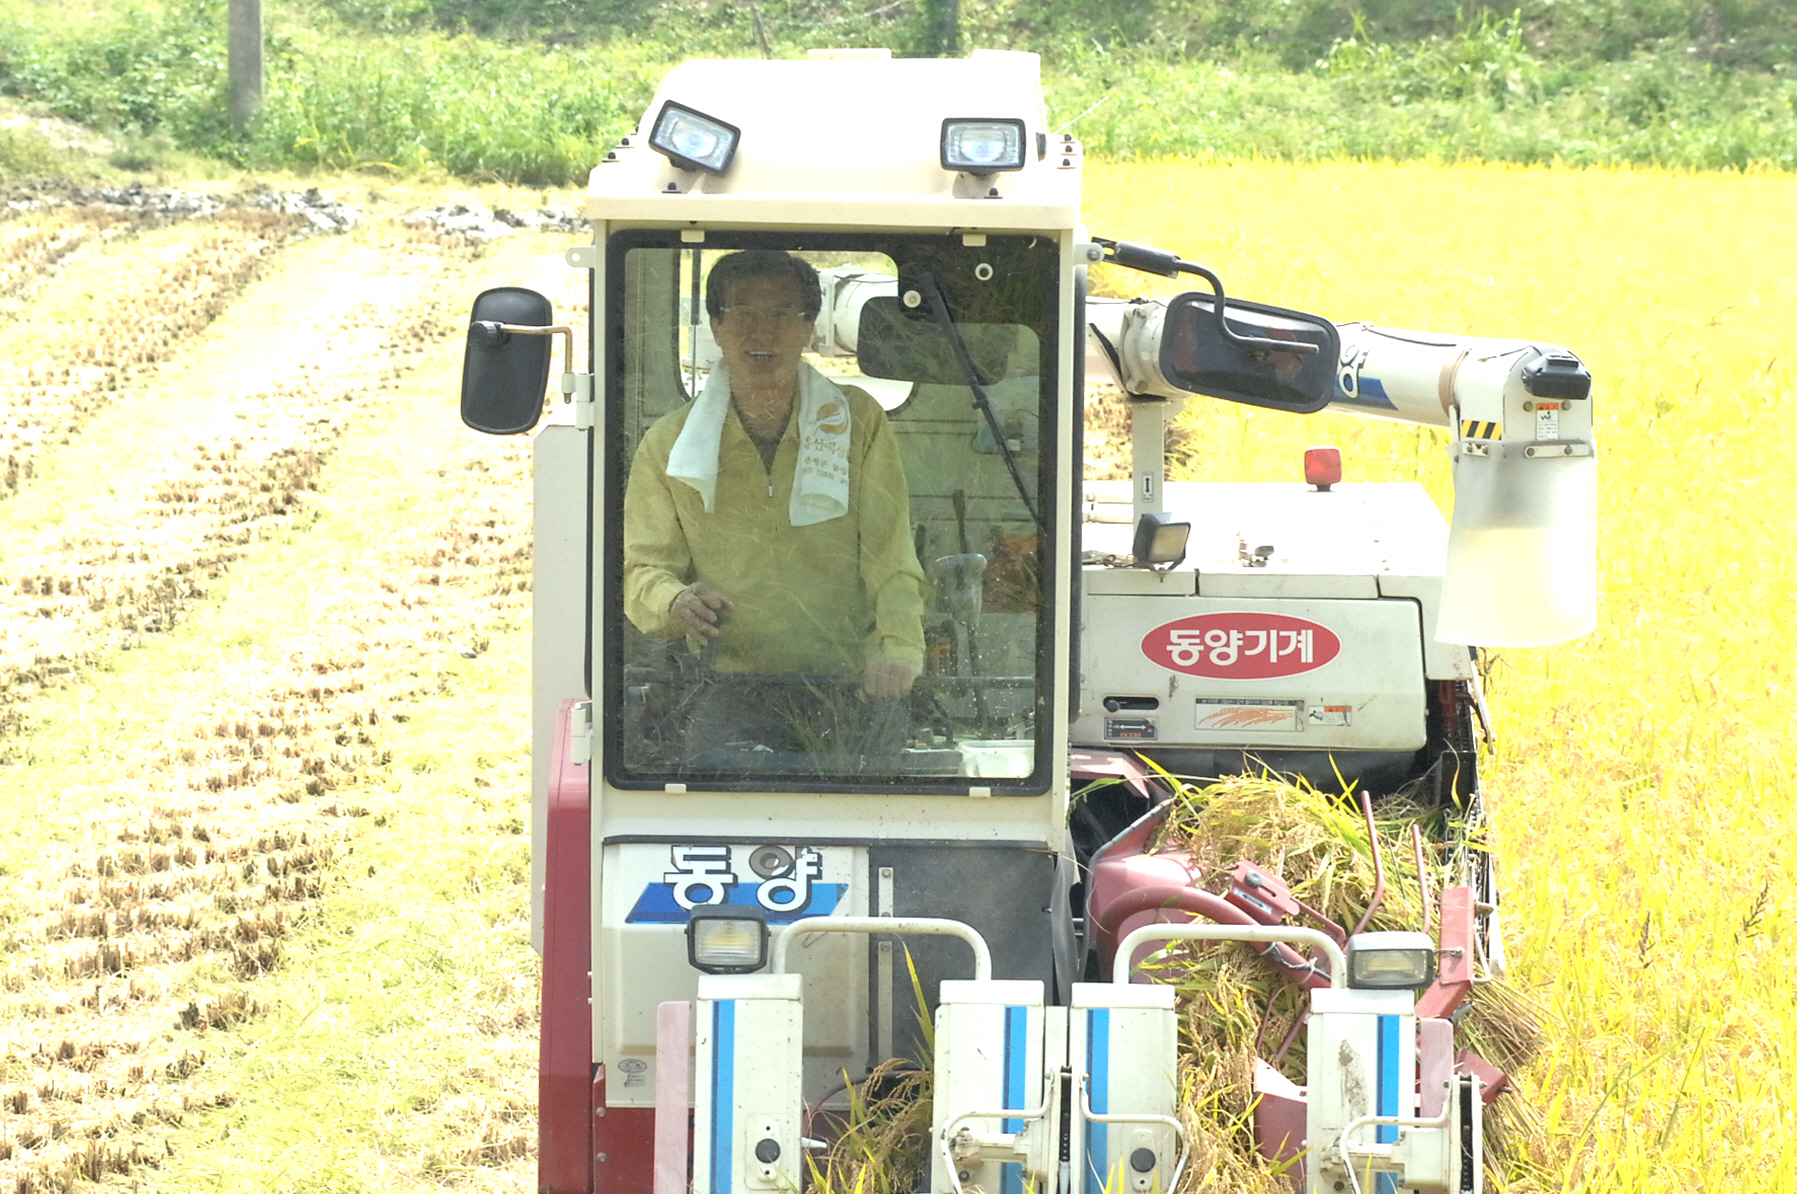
(1160, 540)
(726, 940)
(693, 140)
(1391, 961)
(982, 146)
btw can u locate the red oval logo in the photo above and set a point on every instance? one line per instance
(1241, 646)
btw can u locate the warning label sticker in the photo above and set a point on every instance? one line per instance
(1222, 713)
(1329, 715)
(1547, 420)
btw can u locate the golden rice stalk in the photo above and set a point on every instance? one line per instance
(1236, 1006)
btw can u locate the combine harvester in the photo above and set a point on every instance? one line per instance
(729, 915)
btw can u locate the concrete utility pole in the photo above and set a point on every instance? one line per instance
(244, 45)
(942, 22)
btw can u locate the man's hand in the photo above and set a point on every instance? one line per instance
(887, 679)
(696, 609)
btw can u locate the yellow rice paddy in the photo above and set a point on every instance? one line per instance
(1643, 784)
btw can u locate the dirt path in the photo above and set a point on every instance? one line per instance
(229, 588)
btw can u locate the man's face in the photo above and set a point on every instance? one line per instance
(762, 332)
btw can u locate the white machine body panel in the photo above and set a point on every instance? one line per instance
(650, 889)
(1366, 1042)
(1123, 1050)
(1354, 541)
(1317, 674)
(886, 172)
(989, 1057)
(558, 610)
(748, 1032)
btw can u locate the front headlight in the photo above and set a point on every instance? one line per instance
(982, 146)
(693, 140)
(726, 941)
(1391, 961)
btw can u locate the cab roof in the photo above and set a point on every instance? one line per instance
(848, 138)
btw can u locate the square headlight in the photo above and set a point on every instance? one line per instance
(1160, 540)
(982, 146)
(1391, 961)
(726, 940)
(693, 140)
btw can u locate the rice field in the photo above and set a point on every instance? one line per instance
(1644, 784)
(263, 651)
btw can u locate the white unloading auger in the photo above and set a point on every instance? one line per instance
(1522, 546)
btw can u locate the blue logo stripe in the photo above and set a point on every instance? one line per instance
(1370, 392)
(657, 906)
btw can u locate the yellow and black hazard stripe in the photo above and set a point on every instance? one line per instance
(1473, 429)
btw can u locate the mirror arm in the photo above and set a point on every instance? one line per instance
(1170, 265)
(559, 329)
(1299, 347)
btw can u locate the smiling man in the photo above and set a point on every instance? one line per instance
(768, 523)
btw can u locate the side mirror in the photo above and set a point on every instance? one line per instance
(894, 345)
(504, 374)
(1199, 356)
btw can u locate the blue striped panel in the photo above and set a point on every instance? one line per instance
(1017, 1021)
(723, 1092)
(1098, 1090)
(1390, 1091)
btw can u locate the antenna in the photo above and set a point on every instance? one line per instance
(1101, 103)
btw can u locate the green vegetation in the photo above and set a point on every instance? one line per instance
(25, 151)
(533, 90)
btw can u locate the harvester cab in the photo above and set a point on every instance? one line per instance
(828, 630)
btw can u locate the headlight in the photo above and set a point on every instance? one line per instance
(693, 140)
(726, 941)
(1160, 540)
(1391, 961)
(982, 146)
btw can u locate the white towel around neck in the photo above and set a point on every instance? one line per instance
(820, 482)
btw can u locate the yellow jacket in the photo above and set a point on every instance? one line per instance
(819, 599)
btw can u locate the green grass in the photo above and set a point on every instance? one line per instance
(412, 89)
(27, 151)
(1654, 110)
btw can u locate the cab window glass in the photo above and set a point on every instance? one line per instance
(823, 545)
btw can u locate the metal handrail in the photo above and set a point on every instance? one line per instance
(1179, 1129)
(1269, 934)
(926, 926)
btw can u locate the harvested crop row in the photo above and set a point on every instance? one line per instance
(31, 253)
(75, 358)
(131, 560)
(228, 830)
(153, 942)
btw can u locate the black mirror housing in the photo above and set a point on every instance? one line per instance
(901, 347)
(1198, 357)
(504, 375)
